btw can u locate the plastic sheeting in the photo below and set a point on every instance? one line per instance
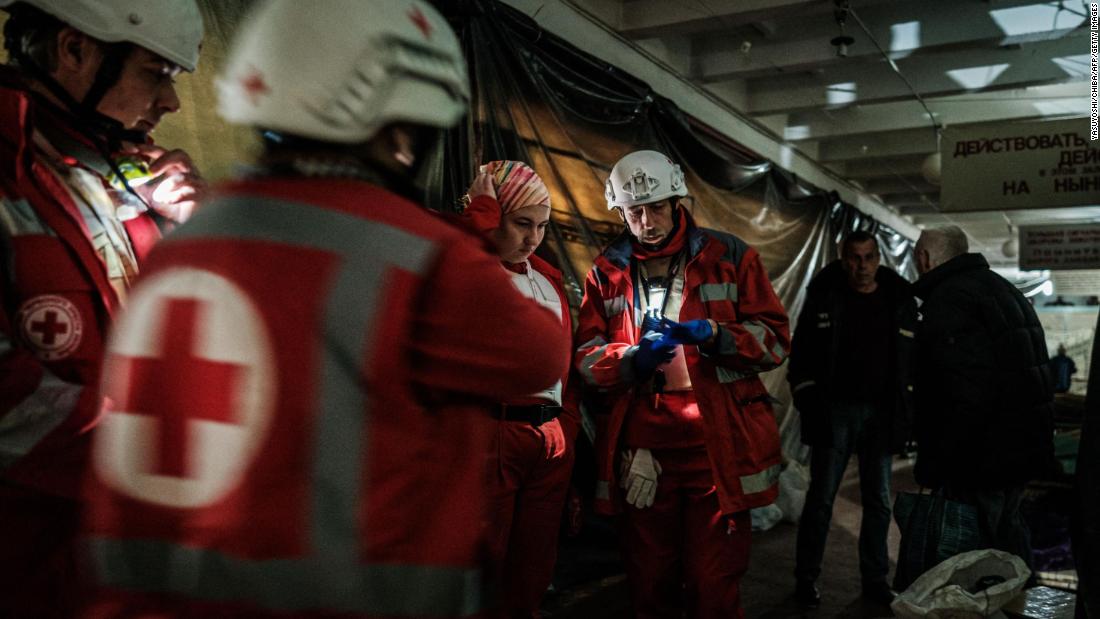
(572, 116)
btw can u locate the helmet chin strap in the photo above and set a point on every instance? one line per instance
(105, 133)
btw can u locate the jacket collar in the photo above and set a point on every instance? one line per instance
(954, 266)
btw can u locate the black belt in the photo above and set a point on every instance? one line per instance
(534, 414)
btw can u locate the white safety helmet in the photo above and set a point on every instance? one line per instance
(643, 177)
(169, 28)
(339, 70)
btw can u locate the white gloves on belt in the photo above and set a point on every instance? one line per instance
(638, 473)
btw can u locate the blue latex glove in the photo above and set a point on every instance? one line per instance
(654, 350)
(690, 332)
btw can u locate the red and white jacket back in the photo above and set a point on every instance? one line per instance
(300, 391)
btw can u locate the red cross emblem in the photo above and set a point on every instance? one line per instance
(420, 22)
(254, 86)
(201, 388)
(49, 328)
(190, 379)
(51, 325)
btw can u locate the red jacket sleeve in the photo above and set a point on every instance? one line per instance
(33, 401)
(476, 334)
(483, 214)
(760, 338)
(601, 363)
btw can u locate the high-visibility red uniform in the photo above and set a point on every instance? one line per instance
(529, 465)
(64, 266)
(730, 462)
(300, 392)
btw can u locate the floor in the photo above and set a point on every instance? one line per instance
(590, 584)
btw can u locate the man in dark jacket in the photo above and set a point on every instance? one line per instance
(984, 392)
(850, 374)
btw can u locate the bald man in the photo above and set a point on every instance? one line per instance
(983, 387)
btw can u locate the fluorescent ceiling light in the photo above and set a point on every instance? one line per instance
(1037, 18)
(975, 78)
(796, 132)
(904, 37)
(1074, 66)
(839, 94)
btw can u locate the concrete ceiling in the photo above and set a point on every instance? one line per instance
(972, 61)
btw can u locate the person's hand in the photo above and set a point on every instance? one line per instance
(177, 187)
(653, 351)
(640, 478)
(690, 332)
(482, 186)
(553, 440)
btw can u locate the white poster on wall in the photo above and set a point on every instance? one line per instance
(1019, 165)
(1060, 247)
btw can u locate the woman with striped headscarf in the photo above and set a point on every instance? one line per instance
(532, 458)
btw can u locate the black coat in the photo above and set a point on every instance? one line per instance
(813, 369)
(1086, 519)
(984, 391)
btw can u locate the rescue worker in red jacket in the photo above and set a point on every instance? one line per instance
(531, 458)
(300, 388)
(676, 323)
(87, 80)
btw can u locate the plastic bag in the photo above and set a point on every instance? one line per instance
(973, 584)
(794, 482)
(766, 517)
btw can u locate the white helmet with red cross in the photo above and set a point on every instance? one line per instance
(643, 177)
(170, 28)
(339, 70)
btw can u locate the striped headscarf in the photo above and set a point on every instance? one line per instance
(517, 185)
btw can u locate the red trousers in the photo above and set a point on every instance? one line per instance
(683, 554)
(529, 470)
(39, 533)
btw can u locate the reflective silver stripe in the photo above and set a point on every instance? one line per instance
(727, 344)
(726, 375)
(17, 217)
(379, 589)
(596, 341)
(906, 332)
(603, 490)
(778, 353)
(334, 576)
(30, 421)
(759, 333)
(614, 306)
(759, 482)
(718, 292)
